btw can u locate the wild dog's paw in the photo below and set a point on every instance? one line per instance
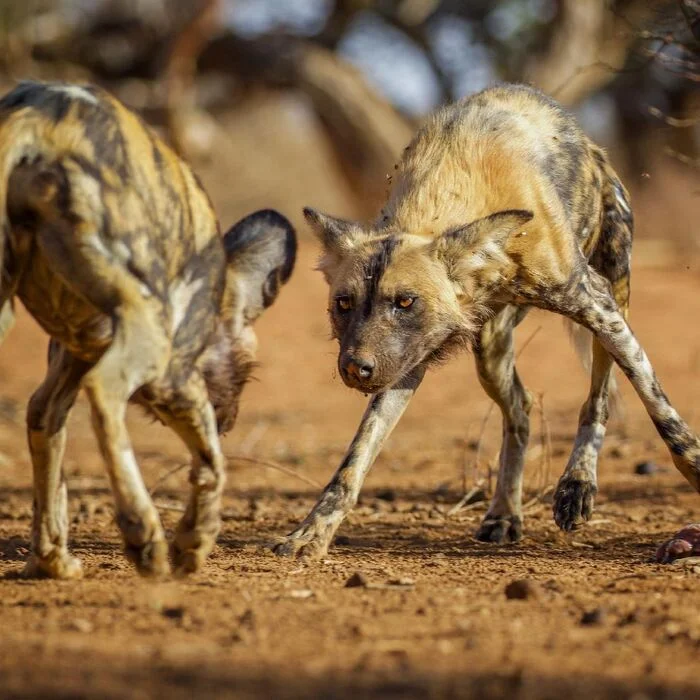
(194, 541)
(573, 502)
(188, 553)
(187, 561)
(58, 564)
(150, 559)
(309, 541)
(500, 529)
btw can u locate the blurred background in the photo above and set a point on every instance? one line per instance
(312, 100)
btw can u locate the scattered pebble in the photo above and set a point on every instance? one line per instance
(646, 468)
(301, 593)
(593, 617)
(81, 625)
(173, 612)
(401, 581)
(522, 589)
(248, 619)
(357, 580)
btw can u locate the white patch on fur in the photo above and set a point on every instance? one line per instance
(622, 201)
(589, 441)
(132, 483)
(75, 92)
(98, 244)
(181, 294)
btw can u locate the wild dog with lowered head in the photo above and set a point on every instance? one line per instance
(112, 245)
(500, 203)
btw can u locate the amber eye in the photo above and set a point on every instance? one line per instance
(404, 301)
(343, 303)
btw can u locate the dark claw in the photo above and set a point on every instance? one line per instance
(573, 503)
(288, 548)
(501, 530)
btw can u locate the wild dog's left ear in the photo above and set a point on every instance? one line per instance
(261, 250)
(336, 235)
(485, 238)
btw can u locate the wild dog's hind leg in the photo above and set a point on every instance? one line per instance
(312, 538)
(495, 364)
(575, 492)
(191, 416)
(577, 487)
(590, 302)
(46, 430)
(138, 354)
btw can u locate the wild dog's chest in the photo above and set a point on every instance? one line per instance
(84, 330)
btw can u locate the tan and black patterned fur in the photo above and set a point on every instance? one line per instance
(499, 204)
(112, 245)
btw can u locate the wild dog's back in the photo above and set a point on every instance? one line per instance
(90, 169)
(96, 134)
(508, 147)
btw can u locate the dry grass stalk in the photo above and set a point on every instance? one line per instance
(238, 458)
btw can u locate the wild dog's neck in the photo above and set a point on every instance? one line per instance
(226, 365)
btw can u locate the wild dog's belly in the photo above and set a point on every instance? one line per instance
(68, 318)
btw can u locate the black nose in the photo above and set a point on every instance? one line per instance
(360, 368)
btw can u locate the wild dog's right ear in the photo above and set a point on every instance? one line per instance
(472, 246)
(336, 235)
(261, 251)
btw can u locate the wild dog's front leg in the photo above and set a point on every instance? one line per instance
(495, 363)
(190, 414)
(593, 306)
(46, 419)
(313, 537)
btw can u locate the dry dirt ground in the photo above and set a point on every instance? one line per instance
(603, 620)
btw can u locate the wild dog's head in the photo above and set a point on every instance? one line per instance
(400, 300)
(260, 251)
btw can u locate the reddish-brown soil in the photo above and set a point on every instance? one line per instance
(602, 620)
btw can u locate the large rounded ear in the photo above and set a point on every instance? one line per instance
(261, 251)
(336, 235)
(481, 240)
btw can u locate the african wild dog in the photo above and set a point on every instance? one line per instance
(500, 203)
(113, 247)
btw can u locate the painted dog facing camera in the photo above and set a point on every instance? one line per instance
(113, 247)
(500, 203)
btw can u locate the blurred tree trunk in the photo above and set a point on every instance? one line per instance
(366, 133)
(179, 76)
(589, 46)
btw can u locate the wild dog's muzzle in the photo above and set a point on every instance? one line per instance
(357, 371)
